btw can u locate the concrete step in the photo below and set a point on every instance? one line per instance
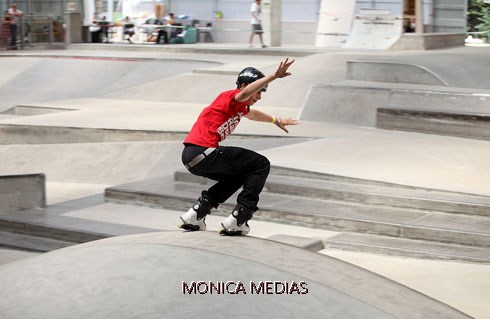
(381, 195)
(343, 98)
(461, 123)
(385, 245)
(51, 228)
(184, 176)
(31, 243)
(42, 134)
(319, 213)
(39, 228)
(27, 110)
(365, 192)
(407, 247)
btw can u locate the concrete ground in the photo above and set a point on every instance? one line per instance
(128, 98)
(169, 274)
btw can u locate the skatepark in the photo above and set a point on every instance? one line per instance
(378, 200)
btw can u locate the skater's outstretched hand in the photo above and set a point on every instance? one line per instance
(281, 123)
(282, 70)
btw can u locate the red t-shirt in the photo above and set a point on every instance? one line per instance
(218, 120)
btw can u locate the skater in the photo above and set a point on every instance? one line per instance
(231, 167)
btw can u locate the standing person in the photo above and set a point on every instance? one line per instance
(104, 28)
(128, 28)
(232, 167)
(256, 23)
(14, 14)
(5, 31)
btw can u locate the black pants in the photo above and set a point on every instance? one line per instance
(233, 168)
(162, 37)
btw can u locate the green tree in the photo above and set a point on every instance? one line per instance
(478, 16)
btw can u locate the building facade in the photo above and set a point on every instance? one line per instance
(230, 18)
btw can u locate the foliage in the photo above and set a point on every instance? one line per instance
(478, 16)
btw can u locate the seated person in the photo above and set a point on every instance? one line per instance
(176, 31)
(171, 19)
(162, 35)
(128, 28)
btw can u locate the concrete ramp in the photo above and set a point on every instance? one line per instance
(374, 29)
(48, 79)
(391, 72)
(178, 274)
(463, 67)
(334, 23)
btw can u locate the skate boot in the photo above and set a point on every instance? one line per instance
(195, 218)
(236, 224)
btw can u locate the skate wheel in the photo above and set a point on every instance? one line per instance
(224, 232)
(189, 227)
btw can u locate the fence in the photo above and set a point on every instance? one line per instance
(34, 30)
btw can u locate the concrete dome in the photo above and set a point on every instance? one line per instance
(201, 274)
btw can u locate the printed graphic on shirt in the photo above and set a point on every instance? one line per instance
(229, 126)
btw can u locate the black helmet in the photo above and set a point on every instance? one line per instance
(249, 75)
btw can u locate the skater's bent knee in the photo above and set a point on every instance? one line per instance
(265, 164)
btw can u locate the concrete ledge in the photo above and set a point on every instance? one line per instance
(427, 41)
(27, 110)
(53, 230)
(391, 72)
(40, 134)
(467, 125)
(407, 247)
(31, 243)
(339, 103)
(197, 48)
(21, 192)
